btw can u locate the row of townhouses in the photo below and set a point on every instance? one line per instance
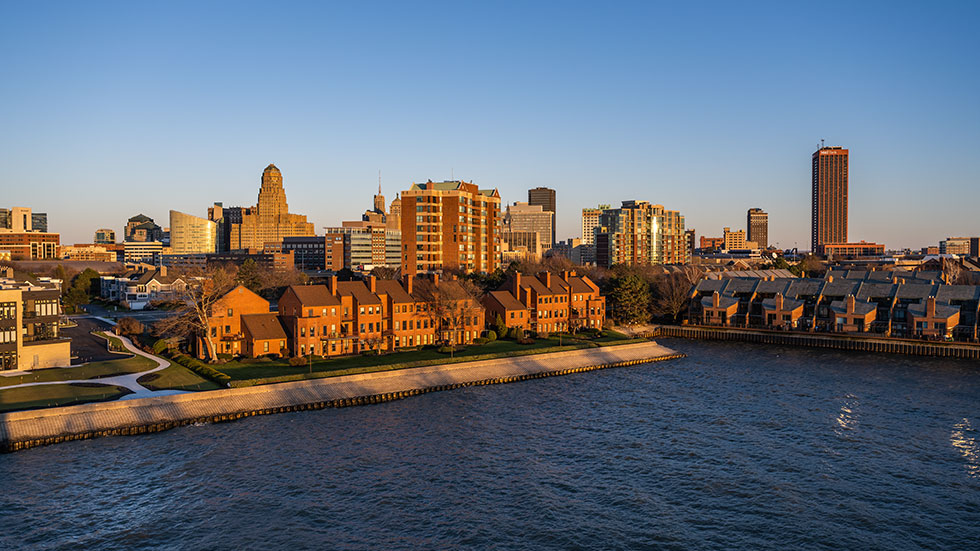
(30, 313)
(893, 304)
(350, 317)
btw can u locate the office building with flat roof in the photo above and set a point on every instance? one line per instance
(757, 224)
(829, 196)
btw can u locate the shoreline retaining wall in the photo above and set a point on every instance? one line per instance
(27, 429)
(839, 342)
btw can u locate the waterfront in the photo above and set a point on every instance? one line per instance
(736, 446)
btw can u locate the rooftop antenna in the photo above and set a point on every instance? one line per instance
(821, 143)
(379, 181)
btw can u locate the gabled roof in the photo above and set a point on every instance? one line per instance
(579, 285)
(263, 326)
(311, 296)
(860, 308)
(788, 304)
(943, 310)
(393, 288)
(359, 291)
(507, 300)
(723, 301)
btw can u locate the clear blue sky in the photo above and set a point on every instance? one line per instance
(111, 109)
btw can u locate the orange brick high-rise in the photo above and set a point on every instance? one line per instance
(450, 225)
(829, 212)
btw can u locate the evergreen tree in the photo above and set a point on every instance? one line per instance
(630, 299)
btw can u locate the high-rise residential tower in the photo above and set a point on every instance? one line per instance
(829, 198)
(450, 225)
(545, 197)
(757, 224)
(639, 233)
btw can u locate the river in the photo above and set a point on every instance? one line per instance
(737, 446)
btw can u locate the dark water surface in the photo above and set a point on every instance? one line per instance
(736, 447)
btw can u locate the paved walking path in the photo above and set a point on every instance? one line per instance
(55, 424)
(128, 381)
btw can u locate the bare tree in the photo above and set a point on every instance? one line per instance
(671, 294)
(198, 296)
(952, 271)
(385, 272)
(448, 304)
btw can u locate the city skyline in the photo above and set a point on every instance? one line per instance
(726, 100)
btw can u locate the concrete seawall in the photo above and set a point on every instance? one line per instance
(835, 341)
(26, 429)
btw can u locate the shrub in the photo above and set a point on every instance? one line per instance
(525, 340)
(480, 340)
(491, 336)
(202, 369)
(225, 356)
(129, 326)
(445, 349)
(296, 361)
(160, 346)
(543, 335)
(504, 334)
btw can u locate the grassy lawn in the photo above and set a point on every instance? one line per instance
(122, 366)
(175, 377)
(30, 397)
(115, 344)
(246, 372)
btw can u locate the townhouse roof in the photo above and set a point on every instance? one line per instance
(507, 300)
(314, 295)
(393, 288)
(359, 291)
(947, 293)
(578, 285)
(943, 310)
(263, 326)
(788, 304)
(860, 308)
(723, 301)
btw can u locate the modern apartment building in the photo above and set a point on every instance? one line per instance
(29, 330)
(192, 234)
(590, 221)
(829, 196)
(757, 223)
(142, 251)
(545, 198)
(525, 217)
(639, 233)
(269, 221)
(450, 225)
(366, 244)
(105, 236)
(956, 245)
(312, 253)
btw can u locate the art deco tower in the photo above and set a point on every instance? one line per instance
(829, 199)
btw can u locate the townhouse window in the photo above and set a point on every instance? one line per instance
(346, 311)
(371, 327)
(302, 350)
(333, 311)
(324, 312)
(313, 331)
(214, 331)
(230, 314)
(265, 346)
(227, 329)
(362, 309)
(362, 328)
(302, 331)
(333, 327)
(397, 326)
(512, 315)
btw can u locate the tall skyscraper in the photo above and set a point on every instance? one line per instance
(269, 220)
(545, 197)
(829, 199)
(450, 225)
(757, 224)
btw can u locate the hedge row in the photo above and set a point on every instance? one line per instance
(202, 369)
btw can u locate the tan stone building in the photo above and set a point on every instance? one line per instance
(269, 221)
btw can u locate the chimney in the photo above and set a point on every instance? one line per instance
(517, 285)
(435, 279)
(830, 279)
(850, 304)
(373, 283)
(566, 274)
(779, 301)
(547, 280)
(163, 271)
(408, 283)
(715, 299)
(931, 307)
(333, 285)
